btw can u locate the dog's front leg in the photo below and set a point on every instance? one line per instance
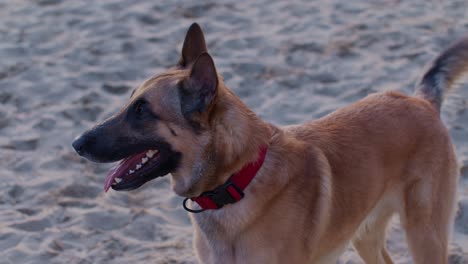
(201, 247)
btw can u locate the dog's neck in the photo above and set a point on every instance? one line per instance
(232, 190)
(241, 130)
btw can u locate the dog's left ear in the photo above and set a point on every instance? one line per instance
(199, 91)
(194, 45)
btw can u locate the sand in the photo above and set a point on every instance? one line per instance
(67, 64)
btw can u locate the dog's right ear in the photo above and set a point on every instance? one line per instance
(194, 45)
(199, 91)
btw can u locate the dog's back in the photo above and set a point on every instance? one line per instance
(390, 153)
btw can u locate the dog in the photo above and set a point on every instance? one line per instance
(260, 193)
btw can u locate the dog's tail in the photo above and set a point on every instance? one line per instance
(445, 70)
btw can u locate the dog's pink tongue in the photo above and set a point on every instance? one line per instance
(121, 169)
(112, 174)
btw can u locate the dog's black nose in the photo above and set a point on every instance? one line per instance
(78, 144)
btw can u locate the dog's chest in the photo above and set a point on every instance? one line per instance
(217, 239)
(228, 243)
(238, 252)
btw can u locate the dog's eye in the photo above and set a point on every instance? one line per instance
(139, 107)
(141, 110)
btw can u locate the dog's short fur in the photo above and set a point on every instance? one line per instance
(323, 184)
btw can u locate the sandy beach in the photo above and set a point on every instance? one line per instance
(64, 65)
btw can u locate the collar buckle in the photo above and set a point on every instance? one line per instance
(225, 194)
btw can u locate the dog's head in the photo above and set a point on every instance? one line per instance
(166, 126)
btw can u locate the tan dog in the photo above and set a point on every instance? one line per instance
(321, 185)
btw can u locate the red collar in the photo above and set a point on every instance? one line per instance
(232, 190)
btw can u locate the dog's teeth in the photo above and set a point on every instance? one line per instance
(116, 181)
(131, 171)
(144, 160)
(151, 153)
(138, 166)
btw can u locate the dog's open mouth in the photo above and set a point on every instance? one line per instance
(131, 171)
(135, 170)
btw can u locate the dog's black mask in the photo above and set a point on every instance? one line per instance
(123, 138)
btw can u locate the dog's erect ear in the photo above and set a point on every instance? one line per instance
(201, 88)
(194, 45)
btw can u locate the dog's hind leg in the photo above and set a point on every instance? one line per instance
(369, 241)
(428, 217)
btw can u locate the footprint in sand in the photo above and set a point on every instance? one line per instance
(106, 220)
(464, 172)
(147, 19)
(44, 124)
(116, 89)
(143, 227)
(461, 221)
(4, 120)
(9, 240)
(80, 191)
(5, 97)
(15, 192)
(457, 256)
(78, 114)
(33, 225)
(49, 2)
(27, 144)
